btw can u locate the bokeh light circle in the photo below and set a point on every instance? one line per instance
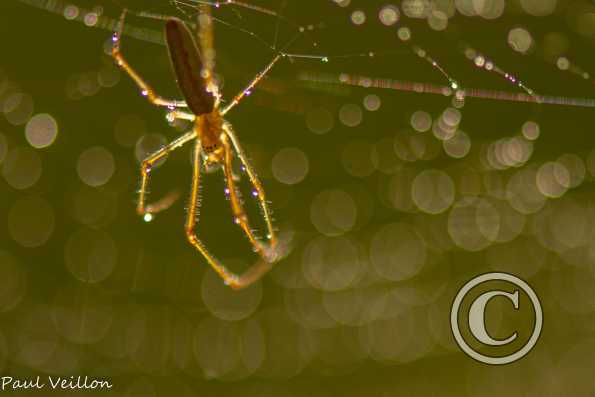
(319, 120)
(290, 165)
(14, 282)
(333, 212)
(82, 315)
(217, 347)
(331, 263)
(90, 255)
(458, 146)
(421, 121)
(372, 102)
(31, 221)
(520, 40)
(226, 303)
(41, 130)
(22, 167)
(389, 15)
(397, 252)
(433, 191)
(350, 115)
(358, 17)
(95, 166)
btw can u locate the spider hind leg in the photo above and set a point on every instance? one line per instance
(252, 274)
(268, 248)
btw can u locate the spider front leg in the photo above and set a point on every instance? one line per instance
(147, 210)
(267, 249)
(145, 88)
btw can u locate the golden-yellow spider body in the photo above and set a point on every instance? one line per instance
(215, 141)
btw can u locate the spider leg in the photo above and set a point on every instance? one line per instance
(178, 114)
(234, 281)
(231, 279)
(267, 249)
(144, 87)
(246, 91)
(147, 164)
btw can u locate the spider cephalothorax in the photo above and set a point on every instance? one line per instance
(209, 129)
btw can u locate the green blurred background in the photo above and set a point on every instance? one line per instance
(390, 201)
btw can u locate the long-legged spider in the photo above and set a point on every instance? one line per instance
(215, 141)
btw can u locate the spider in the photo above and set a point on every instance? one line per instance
(215, 142)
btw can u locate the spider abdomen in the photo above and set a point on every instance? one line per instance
(187, 65)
